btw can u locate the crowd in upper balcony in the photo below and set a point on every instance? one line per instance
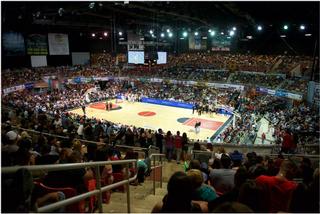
(208, 67)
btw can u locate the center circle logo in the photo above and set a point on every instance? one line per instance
(146, 113)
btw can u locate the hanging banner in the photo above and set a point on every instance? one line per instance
(37, 44)
(58, 44)
(13, 44)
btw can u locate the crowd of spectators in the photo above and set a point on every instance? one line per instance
(224, 179)
(297, 125)
(271, 81)
(188, 66)
(241, 62)
(289, 62)
(233, 182)
(296, 85)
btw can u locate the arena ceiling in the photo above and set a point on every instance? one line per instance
(144, 15)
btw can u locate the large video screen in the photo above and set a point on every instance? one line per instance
(135, 57)
(221, 43)
(162, 58)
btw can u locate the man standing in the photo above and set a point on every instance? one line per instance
(197, 127)
(83, 109)
(178, 146)
(106, 105)
(110, 106)
(159, 139)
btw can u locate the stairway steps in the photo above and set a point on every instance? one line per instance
(161, 191)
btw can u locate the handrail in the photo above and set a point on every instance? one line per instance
(131, 147)
(202, 152)
(98, 191)
(293, 155)
(193, 141)
(154, 172)
(67, 166)
(153, 147)
(264, 154)
(54, 135)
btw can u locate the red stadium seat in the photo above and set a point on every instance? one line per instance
(118, 177)
(68, 192)
(91, 185)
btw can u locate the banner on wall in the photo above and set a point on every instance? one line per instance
(280, 93)
(37, 44)
(38, 61)
(58, 44)
(13, 44)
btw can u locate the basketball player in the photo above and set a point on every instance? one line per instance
(83, 109)
(197, 127)
(110, 106)
(106, 105)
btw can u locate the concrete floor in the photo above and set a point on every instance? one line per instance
(141, 196)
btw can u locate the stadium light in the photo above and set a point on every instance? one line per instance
(259, 28)
(162, 35)
(302, 27)
(93, 35)
(234, 28)
(91, 5)
(60, 11)
(308, 34)
(283, 36)
(151, 31)
(222, 33)
(285, 27)
(105, 34)
(231, 33)
(184, 34)
(209, 30)
(196, 33)
(120, 33)
(212, 33)
(168, 30)
(170, 35)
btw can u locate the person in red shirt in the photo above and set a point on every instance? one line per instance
(178, 146)
(278, 189)
(263, 137)
(288, 145)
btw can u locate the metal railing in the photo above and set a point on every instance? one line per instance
(212, 154)
(153, 156)
(194, 152)
(98, 191)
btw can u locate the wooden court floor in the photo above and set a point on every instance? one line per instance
(151, 116)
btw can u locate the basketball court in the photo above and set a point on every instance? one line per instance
(151, 116)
